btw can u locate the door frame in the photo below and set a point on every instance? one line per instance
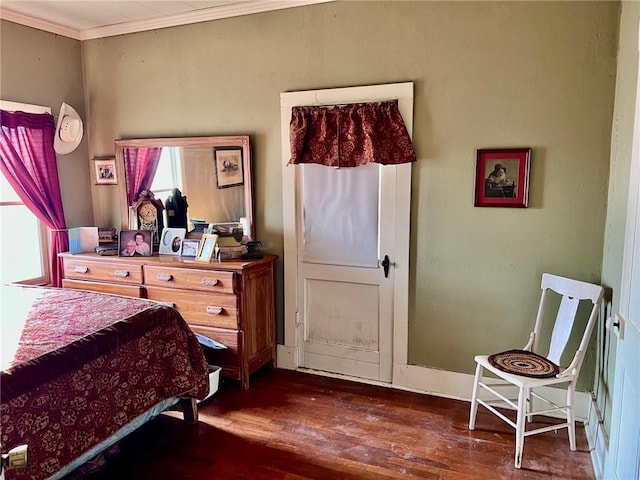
(288, 354)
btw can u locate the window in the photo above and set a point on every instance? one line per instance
(24, 241)
(169, 173)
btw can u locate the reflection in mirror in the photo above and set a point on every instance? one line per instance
(213, 173)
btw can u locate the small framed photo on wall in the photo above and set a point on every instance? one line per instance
(105, 171)
(229, 166)
(502, 177)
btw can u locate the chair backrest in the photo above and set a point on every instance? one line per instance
(572, 291)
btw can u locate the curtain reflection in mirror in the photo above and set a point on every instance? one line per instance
(141, 165)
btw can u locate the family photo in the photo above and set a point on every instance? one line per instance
(135, 243)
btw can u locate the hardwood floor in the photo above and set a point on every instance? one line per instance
(292, 425)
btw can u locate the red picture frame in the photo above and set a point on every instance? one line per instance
(502, 177)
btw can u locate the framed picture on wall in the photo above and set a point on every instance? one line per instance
(229, 166)
(105, 171)
(502, 177)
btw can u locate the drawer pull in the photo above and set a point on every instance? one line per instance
(121, 273)
(215, 310)
(164, 277)
(80, 269)
(210, 281)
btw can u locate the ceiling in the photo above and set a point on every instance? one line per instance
(88, 19)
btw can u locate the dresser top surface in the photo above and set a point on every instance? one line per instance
(173, 261)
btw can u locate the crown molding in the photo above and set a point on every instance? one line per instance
(33, 22)
(196, 16)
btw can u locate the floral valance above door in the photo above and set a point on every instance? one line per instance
(350, 135)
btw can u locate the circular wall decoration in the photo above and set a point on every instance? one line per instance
(522, 362)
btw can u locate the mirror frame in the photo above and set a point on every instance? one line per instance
(217, 141)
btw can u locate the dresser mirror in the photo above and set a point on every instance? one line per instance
(213, 173)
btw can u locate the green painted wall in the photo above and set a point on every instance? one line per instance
(619, 173)
(46, 69)
(486, 74)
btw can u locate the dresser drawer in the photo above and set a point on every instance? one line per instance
(113, 271)
(200, 308)
(192, 279)
(126, 290)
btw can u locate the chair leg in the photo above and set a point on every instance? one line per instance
(570, 418)
(474, 398)
(529, 404)
(522, 399)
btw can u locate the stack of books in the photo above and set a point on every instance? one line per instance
(229, 248)
(230, 252)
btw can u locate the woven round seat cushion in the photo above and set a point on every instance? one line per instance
(527, 364)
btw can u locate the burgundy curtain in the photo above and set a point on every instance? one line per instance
(350, 135)
(141, 164)
(29, 164)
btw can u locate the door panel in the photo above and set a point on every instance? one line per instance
(337, 313)
(343, 287)
(341, 215)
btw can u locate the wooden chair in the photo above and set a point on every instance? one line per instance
(527, 370)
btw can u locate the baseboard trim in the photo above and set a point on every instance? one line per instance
(459, 386)
(440, 383)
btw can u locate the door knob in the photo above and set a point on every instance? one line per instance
(385, 265)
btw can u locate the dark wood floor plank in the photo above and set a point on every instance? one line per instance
(297, 426)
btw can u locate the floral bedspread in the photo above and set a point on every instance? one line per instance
(77, 366)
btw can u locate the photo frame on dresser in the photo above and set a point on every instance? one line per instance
(207, 247)
(135, 243)
(171, 241)
(190, 248)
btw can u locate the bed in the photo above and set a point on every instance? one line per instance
(82, 369)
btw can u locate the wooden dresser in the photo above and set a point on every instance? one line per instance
(231, 302)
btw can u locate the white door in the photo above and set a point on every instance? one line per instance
(346, 221)
(623, 459)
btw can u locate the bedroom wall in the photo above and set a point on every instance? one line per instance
(619, 173)
(45, 69)
(523, 74)
(538, 74)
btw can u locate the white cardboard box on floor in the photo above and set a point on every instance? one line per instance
(214, 380)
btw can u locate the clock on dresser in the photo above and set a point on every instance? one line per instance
(148, 214)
